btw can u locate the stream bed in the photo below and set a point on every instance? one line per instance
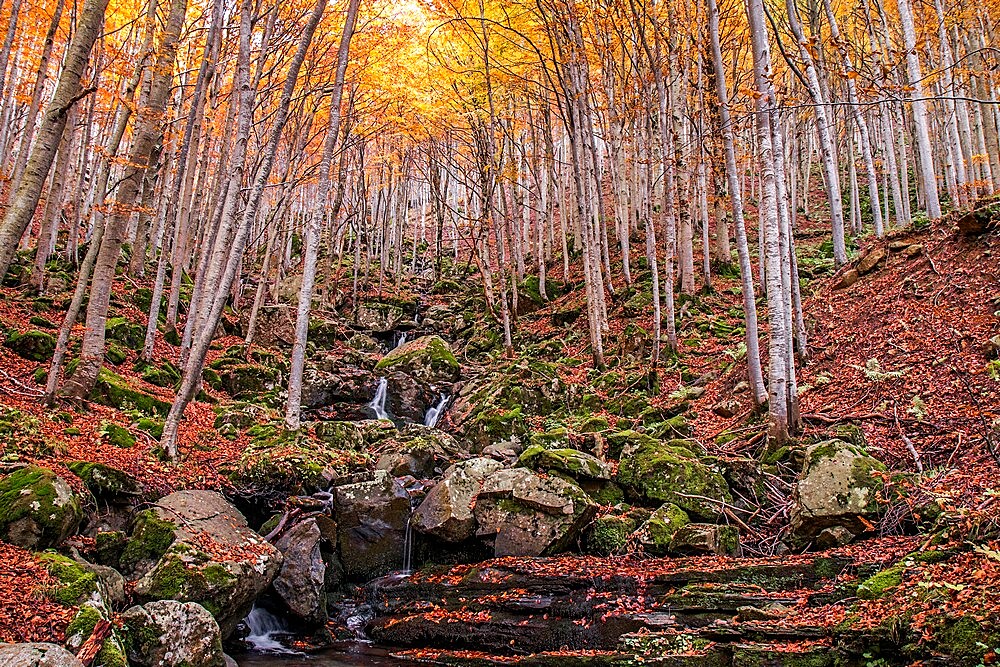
(355, 654)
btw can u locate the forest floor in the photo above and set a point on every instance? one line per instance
(904, 354)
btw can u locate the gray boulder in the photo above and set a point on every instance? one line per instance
(705, 538)
(300, 583)
(215, 559)
(371, 526)
(428, 359)
(37, 655)
(379, 317)
(446, 512)
(528, 515)
(167, 633)
(38, 508)
(838, 486)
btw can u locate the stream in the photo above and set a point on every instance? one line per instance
(350, 655)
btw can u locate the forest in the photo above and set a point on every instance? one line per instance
(551, 333)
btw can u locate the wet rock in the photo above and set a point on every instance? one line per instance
(446, 512)
(167, 633)
(706, 538)
(657, 533)
(38, 508)
(301, 581)
(214, 559)
(322, 386)
(837, 487)
(527, 515)
(409, 397)
(576, 464)
(419, 451)
(371, 526)
(428, 359)
(668, 471)
(37, 655)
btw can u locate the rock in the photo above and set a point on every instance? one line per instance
(116, 392)
(576, 464)
(837, 487)
(609, 534)
(409, 397)
(418, 451)
(300, 583)
(37, 655)
(371, 526)
(992, 347)
(341, 383)
(379, 317)
(241, 380)
(427, 359)
(914, 250)
(898, 245)
(726, 408)
(668, 472)
(102, 480)
(847, 278)
(215, 559)
(167, 633)
(835, 536)
(443, 319)
(126, 332)
(706, 538)
(870, 261)
(981, 220)
(31, 345)
(38, 509)
(446, 511)
(527, 515)
(657, 533)
(80, 629)
(290, 463)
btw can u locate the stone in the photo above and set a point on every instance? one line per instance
(167, 633)
(379, 317)
(726, 408)
(669, 472)
(341, 383)
(32, 345)
(914, 250)
(38, 508)
(833, 537)
(609, 534)
(898, 245)
(528, 515)
(408, 396)
(847, 278)
(102, 480)
(419, 451)
(300, 583)
(981, 220)
(870, 261)
(838, 486)
(126, 332)
(446, 512)
(371, 526)
(215, 559)
(657, 533)
(37, 655)
(706, 538)
(576, 464)
(428, 359)
(81, 628)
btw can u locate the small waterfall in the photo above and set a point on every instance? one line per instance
(401, 341)
(377, 404)
(434, 412)
(263, 627)
(408, 546)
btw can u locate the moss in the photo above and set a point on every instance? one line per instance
(109, 546)
(183, 575)
(164, 375)
(428, 352)
(126, 332)
(877, 586)
(38, 321)
(101, 479)
(40, 497)
(116, 436)
(151, 538)
(662, 525)
(570, 461)
(114, 391)
(32, 345)
(153, 427)
(609, 534)
(76, 584)
(609, 494)
(965, 641)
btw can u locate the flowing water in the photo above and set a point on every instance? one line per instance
(401, 341)
(434, 412)
(265, 627)
(377, 404)
(353, 655)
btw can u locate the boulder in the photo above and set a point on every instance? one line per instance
(696, 539)
(870, 261)
(428, 359)
(609, 534)
(572, 462)
(409, 397)
(838, 486)
(446, 512)
(669, 472)
(32, 345)
(81, 628)
(847, 278)
(371, 526)
(126, 332)
(37, 655)
(379, 317)
(419, 451)
(38, 508)
(167, 633)
(300, 583)
(322, 386)
(528, 515)
(102, 480)
(657, 533)
(215, 559)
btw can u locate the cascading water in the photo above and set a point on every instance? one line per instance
(401, 341)
(435, 411)
(263, 627)
(377, 404)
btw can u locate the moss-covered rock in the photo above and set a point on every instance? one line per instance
(656, 534)
(38, 509)
(126, 332)
(427, 359)
(576, 464)
(880, 584)
(109, 546)
(115, 391)
(32, 345)
(150, 539)
(102, 480)
(609, 534)
(116, 436)
(76, 583)
(79, 630)
(669, 472)
(167, 633)
(115, 355)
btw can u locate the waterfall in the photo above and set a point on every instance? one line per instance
(401, 341)
(434, 412)
(377, 404)
(263, 627)
(408, 546)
